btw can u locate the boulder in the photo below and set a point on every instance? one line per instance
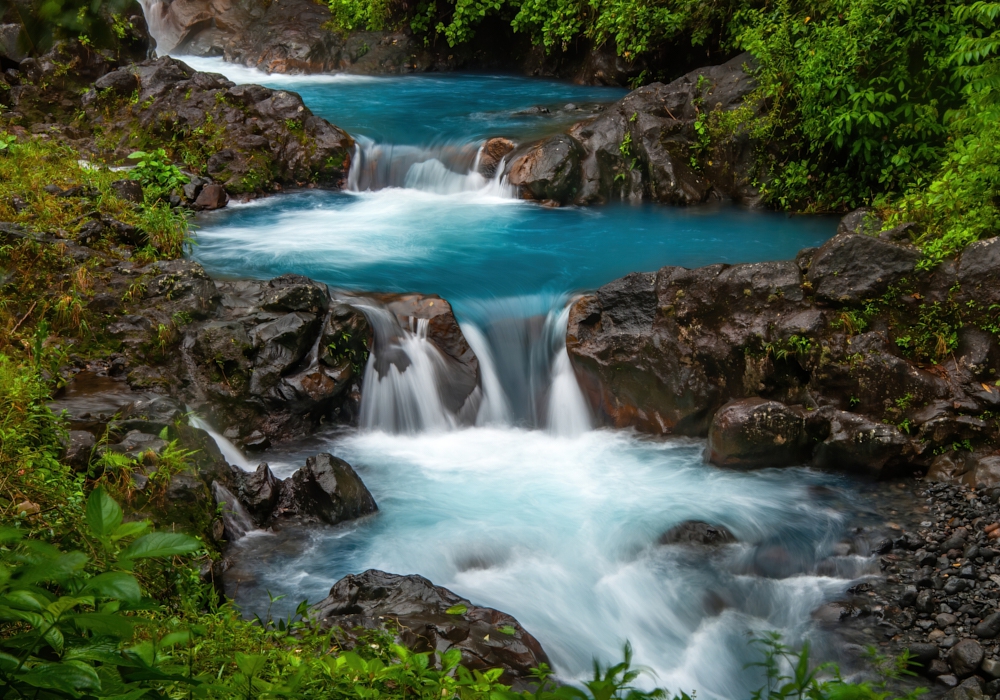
(211, 197)
(258, 491)
(965, 657)
(549, 170)
(979, 272)
(326, 490)
(863, 221)
(850, 267)
(753, 433)
(492, 154)
(969, 689)
(856, 444)
(150, 415)
(697, 532)
(989, 626)
(78, 448)
(432, 618)
(129, 190)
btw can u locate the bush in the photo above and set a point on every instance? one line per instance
(43, 22)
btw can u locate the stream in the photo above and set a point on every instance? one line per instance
(525, 505)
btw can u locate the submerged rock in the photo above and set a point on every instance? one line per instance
(432, 618)
(697, 532)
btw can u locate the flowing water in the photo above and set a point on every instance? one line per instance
(514, 499)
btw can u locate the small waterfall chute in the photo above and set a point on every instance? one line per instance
(230, 452)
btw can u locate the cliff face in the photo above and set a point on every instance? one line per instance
(828, 340)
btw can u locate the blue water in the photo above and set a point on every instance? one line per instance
(530, 509)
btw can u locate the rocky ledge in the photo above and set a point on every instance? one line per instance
(808, 361)
(246, 138)
(649, 146)
(432, 618)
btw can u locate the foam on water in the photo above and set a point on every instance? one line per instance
(561, 533)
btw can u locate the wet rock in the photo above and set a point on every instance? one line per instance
(965, 657)
(979, 272)
(753, 433)
(991, 668)
(923, 654)
(697, 532)
(236, 521)
(970, 689)
(849, 268)
(181, 286)
(129, 190)
(989, 627)
(122, 82)
(863, 221)
(258, 491)
(857, 444)
(492, 155)
(326, 490)
(549, 170)
(79, 446)
(150, 415)
(211, 197)
(432, 618)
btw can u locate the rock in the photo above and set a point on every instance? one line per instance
(991, 668)
(989, 627)
(150, 415)
(549, 170)
(979, 273)
(965, 657)
(850, 268)
(10, 44)
(492, 155)
(236, 521)
(326, 490)
(857, 444)
(121, 82)
(863, 221)
(753, 433)
(79, 446)
(697, 532)
(970, 689)
(949, 681)
(258, 491)
(129, 190)
(923, 654)
(137, 445)
(432, 618)
(181, 286)
(211, 197)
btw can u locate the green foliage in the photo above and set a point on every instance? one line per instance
(348, 15)
(43, 22)
(159, 177)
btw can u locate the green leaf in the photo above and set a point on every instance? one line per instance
(132, 529)
(106, 624)
(104, 515)
(115, 584)
(160, 544)
(459, 609)
(72, 678)
(249, 664)
(508, 630)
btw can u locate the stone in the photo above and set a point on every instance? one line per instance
(326, 490)
(965, 657)
(991, 667)
(492, 155)
(950, 681)
(236, 521)
(923, 653)
(150, 415)
(549, 170)
(79, 446)
(258, 491)
(863, 221)
(858, 445)
(122, 82)
(211, 197)
(754, 433)
(432, 618)
(989, 627)
(129, 190)
(970, 689)
(979, 272)
(850, 268)
(697, 532)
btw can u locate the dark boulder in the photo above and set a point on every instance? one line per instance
(326, 490)
(752, 433)
(549, 170)
(969, 689)
(259, 491)
(432, 618)
(989, 626)
(979, 272)
(859, 445)
(492, 154)
(129, 190)
(150, 415)
(965, 657)
(863, 221)
(850, 268)
(78, 448)
(697, 532)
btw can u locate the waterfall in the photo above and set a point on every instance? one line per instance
(526, 378)
(446, 169)
(162, 25)
(229, 451)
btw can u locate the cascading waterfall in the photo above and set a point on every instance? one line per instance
(230, 452)
(445, 169)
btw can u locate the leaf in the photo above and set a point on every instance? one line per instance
(115, 584)
(249, 664)
(160, 544)
(508, 630)
(68, 677)
(132, 529)
(459, 609)
(107, 624)
(104, 515)
(137, 154)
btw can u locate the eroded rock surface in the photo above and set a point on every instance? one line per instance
(432, 618)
